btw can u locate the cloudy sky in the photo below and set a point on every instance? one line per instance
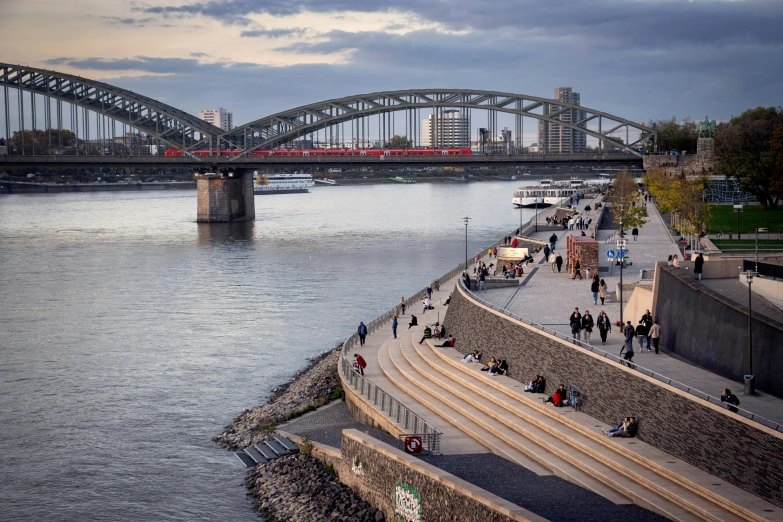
(639, 59)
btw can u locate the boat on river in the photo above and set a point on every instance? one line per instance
(282, 183)
(547, 196)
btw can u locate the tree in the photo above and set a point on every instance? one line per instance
(681, 196)
(624, 199)
(676, 136)
(747, 150)
(399, 142)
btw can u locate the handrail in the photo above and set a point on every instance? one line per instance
(776, 426)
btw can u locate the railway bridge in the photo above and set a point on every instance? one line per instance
(66, 120)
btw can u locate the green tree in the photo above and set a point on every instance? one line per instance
(399, 142)
(673, 135)
(747, 150)
(623, 196)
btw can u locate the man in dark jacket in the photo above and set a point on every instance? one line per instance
(699, 266)
(729, 398)
(647, 321)
(575, 320)
(559, 262)
(362, 331)
(628, 332)
(552, 241)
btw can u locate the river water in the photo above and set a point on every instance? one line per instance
(130, 334)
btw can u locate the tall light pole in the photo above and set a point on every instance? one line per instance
(757, 247)
(466, 219)
(750, 381)
(537, 216)
(621, 255)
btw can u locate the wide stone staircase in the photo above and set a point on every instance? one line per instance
(496, 413)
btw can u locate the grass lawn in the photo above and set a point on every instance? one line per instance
(752, 217)
(748, 245)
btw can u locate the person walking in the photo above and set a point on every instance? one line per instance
(577, 269)
(482, 285)
(552, 241)
(362, 331)
(655, 335)
(635, 234)
(595, 287)
(602, 291)
(647, 321)
(402, 305)
(604, 326)
(466, 277)
(641, 334)
(552, 260)
(360, 362)
(629, 333)
(587, 326)
(576, 324)
(426, 305)
(394, 326)
(429, 291)
(699, 266)
(559, 262)
(547, 250)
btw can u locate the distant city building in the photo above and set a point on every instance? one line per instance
(218, 117)
(554, 138)
(448, 130)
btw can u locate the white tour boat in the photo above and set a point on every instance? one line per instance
(546, 197)
(282, 183)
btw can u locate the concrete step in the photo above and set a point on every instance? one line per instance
(287, 444)
(276, 447)
(458, 422)
(415, 369)
(245, 458)
(580, 432)
(255, 455)
(265, 451)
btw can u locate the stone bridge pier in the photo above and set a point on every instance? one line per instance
(224, 197)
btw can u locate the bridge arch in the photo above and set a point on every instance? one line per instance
(277, 129)
(170, 125)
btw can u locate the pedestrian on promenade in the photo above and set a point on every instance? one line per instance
(394, 326)
(699, 266)
(577, 269)
(436, 285)
(571, 223)
(559, 262)
(426, 305)
(655, 335)
(552, 241)
(547, 250)
(402, 305)
(635, 234)
(429, 291)
(641, 334)
(466, 277)
(576, 324)
(647, 321)
(595, 287)
(362, 330)
(629, 332)
(482, 285)
(729, 398)
(602, 291)
(604, 326)
(552, 260)
(360, 362)
(495, 252)
(587, 326)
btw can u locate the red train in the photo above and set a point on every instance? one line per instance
(462, 151)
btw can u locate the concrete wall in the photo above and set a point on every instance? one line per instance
(222, 199)
(769, 289)
(710, 330)
(441, 496)
(640, 301)
(743, 453)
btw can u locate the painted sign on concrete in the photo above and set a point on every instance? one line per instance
(407, 503)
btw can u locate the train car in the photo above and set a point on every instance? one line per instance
(461, 151)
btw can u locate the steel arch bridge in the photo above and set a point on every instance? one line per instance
(283, 127)
(186, 132)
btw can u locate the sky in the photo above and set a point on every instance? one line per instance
(639, 59)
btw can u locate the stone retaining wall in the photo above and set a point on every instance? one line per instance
(715, 440)
(402, 485)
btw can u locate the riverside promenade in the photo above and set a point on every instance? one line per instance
(478, 415)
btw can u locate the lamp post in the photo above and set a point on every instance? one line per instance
(466, 219)
(737, 210)
(750, 381)
(537, 215)
(621, 255)
(757, 246)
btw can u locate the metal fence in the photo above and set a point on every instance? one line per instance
(618, 359)
(765, 269)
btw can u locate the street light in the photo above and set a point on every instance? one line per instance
(757, 246)
(621, 255)
(750, 381)
(466, 219)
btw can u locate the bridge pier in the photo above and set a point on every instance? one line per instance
(225, 197)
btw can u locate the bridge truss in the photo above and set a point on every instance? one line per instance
(95, 109)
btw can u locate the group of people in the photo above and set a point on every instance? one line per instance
(647, 330)
(495, 367)
(582, 325)
(554, 259)
(627, 429)
(578, 222)
(438, 332)
(674, 261)
(598, 288)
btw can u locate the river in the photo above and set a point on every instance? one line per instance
(130, 334)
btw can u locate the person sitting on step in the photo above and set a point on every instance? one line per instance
(427, 334)
(414, 322)
(556, 399)
(472, 357)
(448, 343)
(537, 385)
(492, 362)
(500, 369)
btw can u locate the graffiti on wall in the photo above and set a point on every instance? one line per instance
(407, 503)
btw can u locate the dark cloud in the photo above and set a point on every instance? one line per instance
(275, 33)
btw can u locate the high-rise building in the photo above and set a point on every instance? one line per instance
(449, 129)
(218, 117)
(554, 138)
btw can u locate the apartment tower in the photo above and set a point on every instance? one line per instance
(554, 138)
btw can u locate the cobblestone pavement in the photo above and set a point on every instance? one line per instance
(550, 497)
